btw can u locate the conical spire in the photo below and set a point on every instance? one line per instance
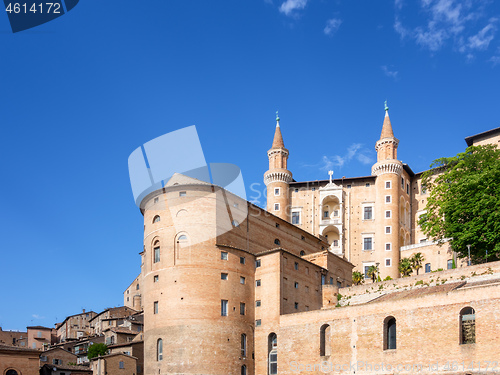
(278, 138)
(387, 127)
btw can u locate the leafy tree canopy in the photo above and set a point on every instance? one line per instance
(96, 350)
(464, 202)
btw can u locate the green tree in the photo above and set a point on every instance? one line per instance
(464, 202)
(358, 278)
(96, 350)
(372, 272)
(405, 267)
(416, 261)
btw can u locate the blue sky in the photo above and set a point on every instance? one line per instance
(79, 94)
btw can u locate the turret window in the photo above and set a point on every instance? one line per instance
(388, 214)
(387, 199)
(156, 219)
(277, 191)
(277, 242)
(388, 184)
(276, 207)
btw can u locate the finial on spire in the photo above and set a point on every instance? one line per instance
(386, 107)
(331, 174)
(277, 117)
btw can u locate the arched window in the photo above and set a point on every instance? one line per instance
(467, 326)
(159, 350)
(243, 345)
(390, 333)
(302, 253)
(277, 242)
(11, 372)
(182, 237)
(272, 346)
(243, 370)
(156, 219)
(156, 252)
(324, 340)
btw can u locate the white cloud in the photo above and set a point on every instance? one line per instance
(450, 22)
(495, 59)
(354, 152)
(289, 6)
(389, 73)
(332, 25)
(37, 316)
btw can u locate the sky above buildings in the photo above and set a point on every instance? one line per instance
(80, 93)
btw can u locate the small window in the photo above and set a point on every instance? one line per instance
(313, 189)
(296, 285)
(159, 350)
(277, 242)
(407, 188)
(258, 323)
(296, 190)
(335, 243)
(157, 254)
(367, 184)
(243, 345)
(155, 278)
(276, 207)
(324, 340)
(348, 186)
(257, 282)
(387, 199)
(137, 287)
(427, 267)
(388, 230)
(276, 191)
(296, 217)
(326, 214)
(182, 193)
(339, 284)
(244, 370)
(368, 213)
(258, 303)
(257, 263)
(223, 307)
(302, 253)
(296, 305)
(242, 260)
(388, 184)
(388, 246)
(156, 219)
(387, 262)
(307, 289)
(242, 280)
(303, 238)
(367, 243)
(242, 308)
(402, 183)
(223, 255)
(277, 225)
(388, 214)
(389, 333)
(467, 326)
(336, 213)
(424, 189)
(121, 364)
(155, 307)
(223, 276)
(155, 200)
(296, 266)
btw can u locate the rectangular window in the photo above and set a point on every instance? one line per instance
(388, 214)
(223, 307)
(182, 193)
(335, 243)
(387, 199)
(276, 207)
(257, 282)
(331, 280)
(155, 278)
(387, 262)
(296, 285)
(450, 264)
(366, 272)
(242, 280)
(323, 279)
(367, 184)
(307, 289)
(388, 230)
(242, 308)
(296, 305)
(402, 183)
(388, 184)
(257, 263)
(157, 254)
(156, 200)
(427, 267)
(223, 276)
(336, 213)
(257, 303)
(121, 364)
(424, 189)
(326, 214)
(155, 307)
(223, 255)
(276, 191)
(407, 188)
(348, 186)
(242, 260)
(258, 323)
(368, 213)
(296, 217)
(296, 190)
(388, 246)
(339, 284)
(367, 243)
(296, 266)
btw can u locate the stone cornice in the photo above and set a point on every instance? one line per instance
(278, 176)
(387, 167)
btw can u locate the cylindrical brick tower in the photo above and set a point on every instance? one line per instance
(388, 171)
(278, 177)
(197, 309)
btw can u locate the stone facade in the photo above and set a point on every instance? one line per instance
(132, 295)
(75, 326)
(18, 361)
